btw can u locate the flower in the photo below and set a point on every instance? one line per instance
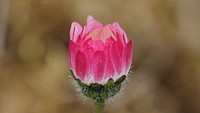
(100, 59)
(98, 53)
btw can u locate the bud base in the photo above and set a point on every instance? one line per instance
(99, 92)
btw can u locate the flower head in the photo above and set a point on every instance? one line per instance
(98, 53)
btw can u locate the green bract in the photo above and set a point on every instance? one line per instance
(99, 92)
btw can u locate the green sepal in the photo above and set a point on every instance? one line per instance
(121, 79)
(109, 83)
(99, 92)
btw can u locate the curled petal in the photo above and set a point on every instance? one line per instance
(81, 65)
(92, 22)
(75, 31)
(121, 32)
(90, 19)
(91, 25)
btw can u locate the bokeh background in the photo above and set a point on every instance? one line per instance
(34, 36)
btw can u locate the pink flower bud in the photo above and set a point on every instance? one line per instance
(98, 53)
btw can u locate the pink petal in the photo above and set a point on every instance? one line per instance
(91, 25)
(90, 18)
(109, 70)
(115, 58)
(118, 29)
(79, 40)
(89, 51)
(96, 34)
(107, 32)
(73, 49)
(99, 62)
(81, 65)
(120, 45)
(96, 44)
(127, 56)
(101, 33)
(86, 43)
(109, 40)
(92, 21)
(109, 66)
(75, 31)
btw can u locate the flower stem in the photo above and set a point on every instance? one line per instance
(99, 106)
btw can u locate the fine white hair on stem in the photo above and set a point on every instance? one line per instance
(77, 88)
(120, 93)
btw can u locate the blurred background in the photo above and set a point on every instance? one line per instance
(34, 36)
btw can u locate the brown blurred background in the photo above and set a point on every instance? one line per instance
(34, 35)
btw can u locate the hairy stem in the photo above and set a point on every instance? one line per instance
(99, 106)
